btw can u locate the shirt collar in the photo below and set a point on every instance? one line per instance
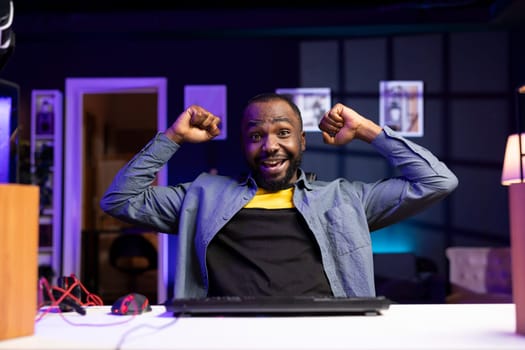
(302, 181)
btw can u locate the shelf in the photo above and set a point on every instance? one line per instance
(48, 212)
(49, 138)
(45, 249)
(46, 156)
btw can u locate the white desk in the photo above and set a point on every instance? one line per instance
(447, 326)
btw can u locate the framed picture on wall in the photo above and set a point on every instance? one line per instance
(401, 106)
(312, 102)
(211, 97)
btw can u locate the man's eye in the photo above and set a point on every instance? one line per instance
(284, 132)
(255, 137)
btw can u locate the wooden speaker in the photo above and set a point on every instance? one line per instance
(19, 259)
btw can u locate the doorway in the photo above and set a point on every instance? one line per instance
(107, 121)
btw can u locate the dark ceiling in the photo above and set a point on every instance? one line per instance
(467, 10)
(287, 14)
(152, 5)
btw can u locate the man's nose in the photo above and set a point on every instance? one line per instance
(270, 143)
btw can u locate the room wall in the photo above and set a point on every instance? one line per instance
(469, 78)
(468, 114)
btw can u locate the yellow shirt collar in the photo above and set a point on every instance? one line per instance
(272, 200)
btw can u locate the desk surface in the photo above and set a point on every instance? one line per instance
(442, 326)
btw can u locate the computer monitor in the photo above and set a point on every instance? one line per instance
(9, 153)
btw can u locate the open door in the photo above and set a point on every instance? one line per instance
(80, 128)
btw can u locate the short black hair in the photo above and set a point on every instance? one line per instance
(269, 96)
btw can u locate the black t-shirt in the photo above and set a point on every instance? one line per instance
(268, 252)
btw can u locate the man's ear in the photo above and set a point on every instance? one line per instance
(303, 141)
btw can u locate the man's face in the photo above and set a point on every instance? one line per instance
(273, 143)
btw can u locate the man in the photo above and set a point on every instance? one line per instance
(275, 233)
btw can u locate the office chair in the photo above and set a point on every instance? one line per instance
(133, 254)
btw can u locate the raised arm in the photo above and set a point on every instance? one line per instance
(423, 180)
(132, 195)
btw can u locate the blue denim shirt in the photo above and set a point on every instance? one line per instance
(340, 213)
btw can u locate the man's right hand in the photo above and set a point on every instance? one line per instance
(194, 125)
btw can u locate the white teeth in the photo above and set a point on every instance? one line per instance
(271, 163)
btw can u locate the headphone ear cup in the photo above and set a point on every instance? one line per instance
(7, 36)
(68, 304)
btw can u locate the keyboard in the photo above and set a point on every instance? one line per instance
(278, 306)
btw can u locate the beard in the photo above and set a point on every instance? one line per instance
(277, 185)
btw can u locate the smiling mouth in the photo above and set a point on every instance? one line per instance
(273, 165)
